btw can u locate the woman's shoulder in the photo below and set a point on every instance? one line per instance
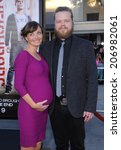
(23, 53)
(22, 56)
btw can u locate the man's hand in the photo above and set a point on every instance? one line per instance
(87, 116)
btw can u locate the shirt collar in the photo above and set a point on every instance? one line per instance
(68, 40)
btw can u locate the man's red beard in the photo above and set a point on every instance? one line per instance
(63, 35)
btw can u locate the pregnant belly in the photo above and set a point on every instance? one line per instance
(43, 92)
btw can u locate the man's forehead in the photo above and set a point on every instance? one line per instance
(60, 13)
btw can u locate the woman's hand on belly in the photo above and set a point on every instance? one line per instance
(41, 106)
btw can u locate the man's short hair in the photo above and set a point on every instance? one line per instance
(60, 9)
(16, 1)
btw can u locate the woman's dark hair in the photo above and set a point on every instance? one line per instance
(29, 28)
(61, 9)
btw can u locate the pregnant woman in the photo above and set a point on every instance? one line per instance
(33, 85)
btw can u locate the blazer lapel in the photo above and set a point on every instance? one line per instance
(72, 54)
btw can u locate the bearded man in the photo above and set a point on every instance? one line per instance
(73, 75)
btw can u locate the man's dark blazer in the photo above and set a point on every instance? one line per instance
(81, 90)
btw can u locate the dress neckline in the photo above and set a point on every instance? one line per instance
(33, 56)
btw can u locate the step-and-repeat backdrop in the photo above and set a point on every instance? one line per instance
(14, 14)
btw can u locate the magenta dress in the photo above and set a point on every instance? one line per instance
(32, 77)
